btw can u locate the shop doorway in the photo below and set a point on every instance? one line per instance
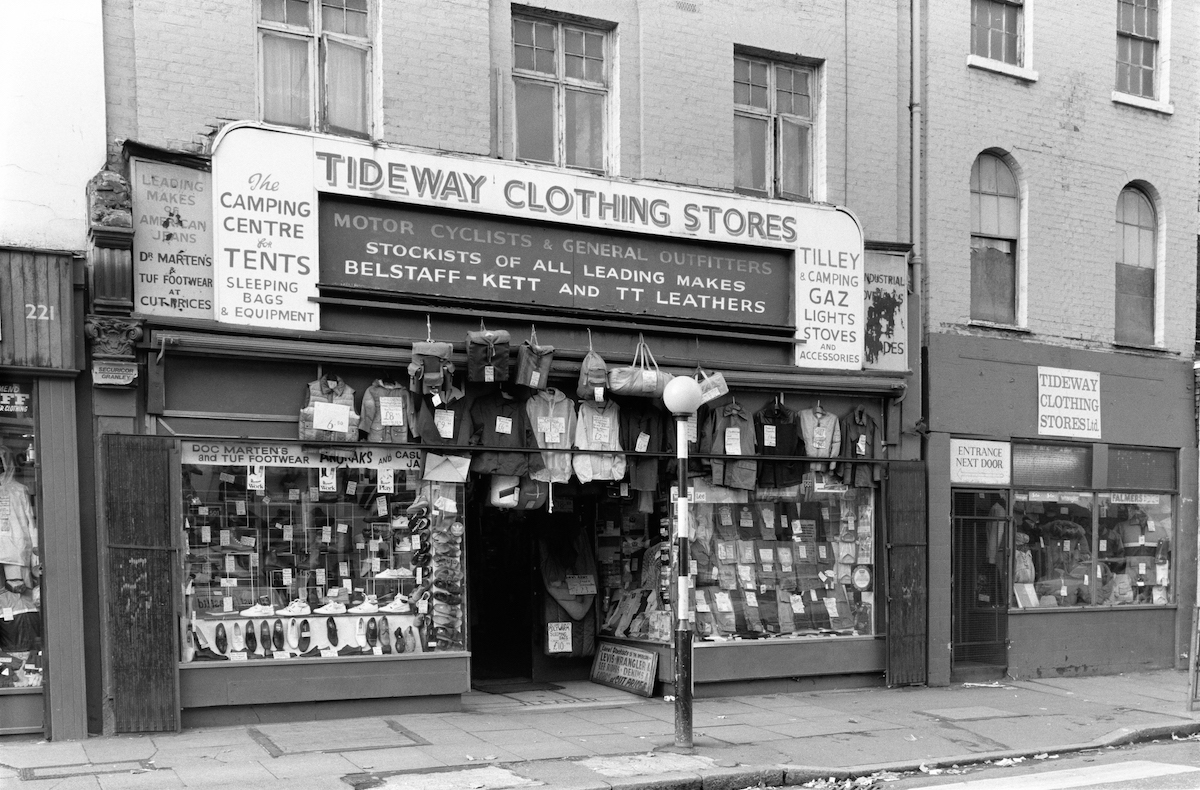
(509, 604)
(979, 585)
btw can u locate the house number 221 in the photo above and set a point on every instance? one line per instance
(39, 312)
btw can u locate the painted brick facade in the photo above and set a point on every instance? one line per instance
(1074, 149)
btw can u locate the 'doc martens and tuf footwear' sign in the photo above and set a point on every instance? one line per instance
(528, 235)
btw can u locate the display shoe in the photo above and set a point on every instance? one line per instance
(312, 653)
(444, 574)
(296, 607)
(293, 634)
(397, 605)
(333, 607)
(277, 636)
(369, 605)
(420, 505)
(261, 609)
(205, 654)
(189, 645)
(331, 632)
(357, 598)
(445, 597)
(251, 637)
(360, 633)
(350, 650)
(385, 636)
(372, 632)
(420, 559)
(454, 588)
(239, 642)
(410, 640)
(264, 636)
(219, 640)
(398, 635)
(305, 638)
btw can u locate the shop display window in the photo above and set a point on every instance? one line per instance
(791, 562)
(20, 558)
(1084, 549)
(295, 552)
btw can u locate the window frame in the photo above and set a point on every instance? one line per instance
(1158, 301)
(1161, 101)
(776, 122)
(562, 84)
(1020, 280)
(316, 38)
(1023, 69)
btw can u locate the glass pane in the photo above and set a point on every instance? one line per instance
(356, 23)
(750, 153)
(989, 213)
(573, 41)
(594, 69)
(333, 20)
(346, 87)
(298, 14)
(543, 61)
(535, 117)
(272, 10)
(585, 129)
(1052, 557)
(544, 35)
(1052, 465)
(1150, 469)
(993, 281)
(793, 159)
(286, 81)
(277, 570)
(1134, 548)
(741, 93)
(523, 32)
(758, 96)
(575, 67)
(21, 634)
(594, 45)
(1134, 305)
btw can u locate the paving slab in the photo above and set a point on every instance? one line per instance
(562, 775)
(393, 760)
(488, 778)
(32, 755)
(89, 782)
(625, 766)
(301, 766)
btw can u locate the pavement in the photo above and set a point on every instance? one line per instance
(583, 736)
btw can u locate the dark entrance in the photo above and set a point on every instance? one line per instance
(979, 584)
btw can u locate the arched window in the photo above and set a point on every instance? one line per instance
(1137, 257)
(995, 225)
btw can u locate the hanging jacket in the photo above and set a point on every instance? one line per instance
(723, 421)
(860, 439)
(499, 420)
(443, 423)
(777, 432)
(552, 417)
(395, 396)
(16, 526)
(822, 437)
(642, 419)
(337, 392)
(598, 427)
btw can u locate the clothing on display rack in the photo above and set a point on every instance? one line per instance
(552, 417)
(731, 433)
(822, 436)
(328, 414)
(777, 432)
(500, 420)
(860, 439)
(597, 427)
(387, 412)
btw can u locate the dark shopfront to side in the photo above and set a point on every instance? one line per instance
(436, 521)
(1063, 482)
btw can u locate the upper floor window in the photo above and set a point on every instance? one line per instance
(774, 109)
(1137, 47)
(1137, 257)
(315, 64)
(995, 229)
(560, 81)
(996, 30)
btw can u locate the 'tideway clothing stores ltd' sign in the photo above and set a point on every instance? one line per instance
(268, 187)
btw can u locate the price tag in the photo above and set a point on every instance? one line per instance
(328, 652)
(391, 411)
(812, 594)
(227, 604)
(230, 564)
(331, 417)
(343, 570)
(202, 511)
(205, 533)
(225, 477)
(288, 532)
(830, 607)
(373, 544)
(236, 656)
(294, 494)
(723, 601)
(489, 373)
(535, 379)
(314, 492)
(745, 518)
(1066, 545)
(328, 480)
(693, 567)
(287, 576)
(1141, 540)
(1141, 568)
(374, 565)
(385, 484)
(351, 487)
(598, 394)
(1063, 591)
(766, 556)
(436, 399)
(643, 442)
(581, 585)
(802, 550)
(733, 441)
(280, 655)
(343, 528)
(504, 425)
(693, 430)
(1103, 544)
(423, 606)
(256, 478)
(768, 436)
(7, 614)
(726, 516)
(377, 650)
(320, 574)
(821, 554)
(444, 420)
(702, 603)
(751, 599)
(601, 427)
(797, 603)
(326, 533)
(240, 507)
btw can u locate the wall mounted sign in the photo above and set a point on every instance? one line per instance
(1068, 403)
(35, 309)
(107, 373)
(381, 246)
(224, 453)
(172, 240)
(885, 326)
(977, 462)
(16, 399)
(268, 184)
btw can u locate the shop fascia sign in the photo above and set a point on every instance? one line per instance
(215, 452)
(1068, 403)
(267, 186)
(979, 462)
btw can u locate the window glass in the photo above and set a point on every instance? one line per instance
(285, 81)
(345, 80)
(320, 561)
(793, 159)
(536, 118)
(1145, 469)
(995, 226)
(772, 128)
(750, 150)
(995, 30)
(1137, 46)
(1068, 466)
(585, 129)
(1137, 253)
(1134, 548)
(21, 631)
(1052, 557)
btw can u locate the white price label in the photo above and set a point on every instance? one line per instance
(733, 441)
(331, 417)
(351, 487)
(768, 436)
(391, 412)
(643, 442)
(444, 420)
(504, 425)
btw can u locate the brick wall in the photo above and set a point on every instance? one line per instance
(1074, 150)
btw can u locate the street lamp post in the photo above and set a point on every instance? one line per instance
(682, 396)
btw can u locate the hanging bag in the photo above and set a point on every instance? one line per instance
(643, 378)
(487, 355)
(430, 366)
(593, 375)
(712, 386)
(533, 362)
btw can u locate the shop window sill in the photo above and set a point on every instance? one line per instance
(201, 665)
(21, 690)
(1000, 67)
(1141, 102)
(1140, 347)
(1002, 327)
(1141, 607)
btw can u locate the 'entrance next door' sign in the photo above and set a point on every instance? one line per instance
(1068, 403)
(385, 247)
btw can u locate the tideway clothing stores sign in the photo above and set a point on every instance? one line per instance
(280, 230)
